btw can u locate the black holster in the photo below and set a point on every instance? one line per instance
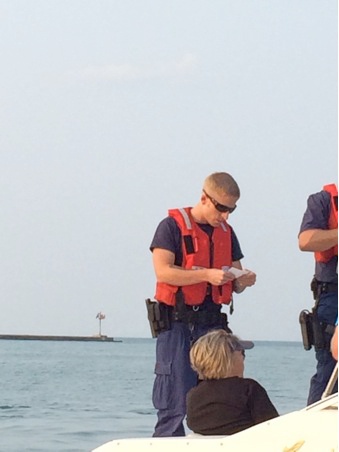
(158, 317)
(313, 331)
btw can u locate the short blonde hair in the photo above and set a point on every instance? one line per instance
(212, 355)
(222, 183)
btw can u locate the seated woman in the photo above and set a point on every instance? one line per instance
(224, 402)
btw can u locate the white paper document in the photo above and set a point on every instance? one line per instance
(235, 271)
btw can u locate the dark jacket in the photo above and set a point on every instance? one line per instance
(227, 406)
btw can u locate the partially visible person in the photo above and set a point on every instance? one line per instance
(193, 249)
(224, 402)
(334, 343)
(319, 234)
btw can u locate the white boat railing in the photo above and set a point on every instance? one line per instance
(331, 382)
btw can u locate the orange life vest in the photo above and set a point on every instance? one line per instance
(196, 249)
(325, 256)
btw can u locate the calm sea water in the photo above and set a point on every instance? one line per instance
(75, 396)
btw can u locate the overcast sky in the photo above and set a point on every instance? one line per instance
(114, 111)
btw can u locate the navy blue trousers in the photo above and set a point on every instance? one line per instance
(327, 311)
(174, 377)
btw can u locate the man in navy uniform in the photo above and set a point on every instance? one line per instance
(319, 234)
(193, 249)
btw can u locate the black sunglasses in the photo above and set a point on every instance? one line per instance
(220, 207)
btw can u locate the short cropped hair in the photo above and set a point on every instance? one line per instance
(212, 355)
(222, 183)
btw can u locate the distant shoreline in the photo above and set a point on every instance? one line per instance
(32, 337)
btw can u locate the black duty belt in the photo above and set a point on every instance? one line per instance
(325, 287)
(197, 317)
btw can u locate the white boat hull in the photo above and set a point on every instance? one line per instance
(312, 429)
